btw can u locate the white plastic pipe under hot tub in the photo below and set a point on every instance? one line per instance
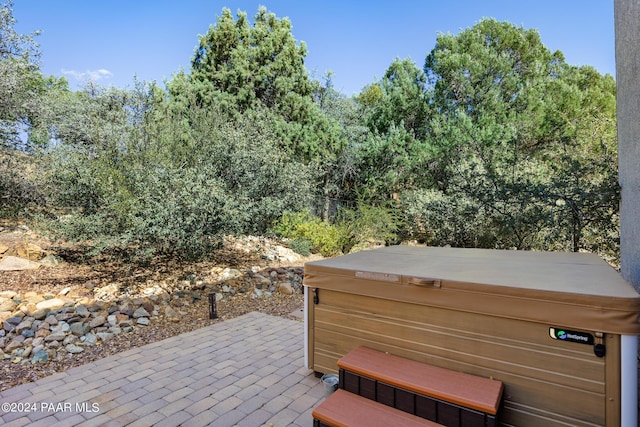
(629, 380)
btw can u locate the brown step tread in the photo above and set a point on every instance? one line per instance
(344, 409)
(469, 391)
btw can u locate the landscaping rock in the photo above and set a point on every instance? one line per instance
(89, 339)
(82, 311)
(50, 261)
(285, 288)
(105, 336)
(12, 263)
(35, 325)
(30, 251)
(97, 321)
(11, 323)
(40, 357)
(56, 336)
(40, 314)
(8, 294)
(51, 304)
(74, 349)
(28, 333)
(141, 312)
(7, 304)
(79, 328)
(25, 324)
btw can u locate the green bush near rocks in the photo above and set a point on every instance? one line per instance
(323, 237)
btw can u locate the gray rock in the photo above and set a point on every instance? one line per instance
(140, 312)
(83, 311)
(70, 339)
(65, 314)
(25, 324)
(15, 320)
(40, 314)
(61, 327)
(104, 336)
(11, 323)
(56, 336)
(79, 328)
(28, 333)
(97, 321)
(144, 321)
(74, 349)
(40, 357)
(51, 320)
(89, 339)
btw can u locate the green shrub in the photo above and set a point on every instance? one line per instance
(361, 227)
(177, 193)
(19, 190)
(324, 238)
(369, 225)
(300, 246)
(439, 219)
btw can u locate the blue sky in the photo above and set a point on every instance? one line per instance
(111, 41)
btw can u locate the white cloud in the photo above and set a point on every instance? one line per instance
(91, 75)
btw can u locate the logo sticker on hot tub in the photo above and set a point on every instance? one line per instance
(563, 334)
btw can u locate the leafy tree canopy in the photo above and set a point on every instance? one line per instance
(248, 68)
(260, 62)
(19, 80)
(398, 99)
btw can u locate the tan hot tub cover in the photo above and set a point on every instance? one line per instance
(570, 289)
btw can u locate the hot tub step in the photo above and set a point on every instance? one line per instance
(347, 409)
(441, 395)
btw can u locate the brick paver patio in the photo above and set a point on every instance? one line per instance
(246, 371)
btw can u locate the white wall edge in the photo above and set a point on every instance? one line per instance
(629, 380)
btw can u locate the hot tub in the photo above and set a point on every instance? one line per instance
(558, 329)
